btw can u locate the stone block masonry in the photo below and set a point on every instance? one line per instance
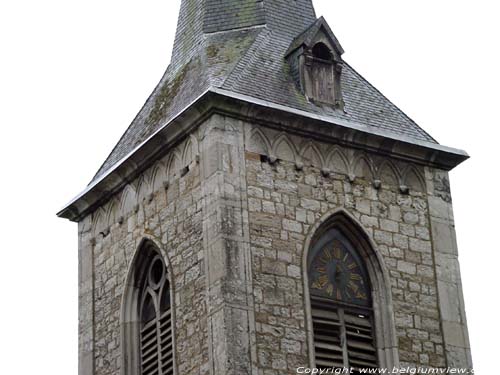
(164, 205)
(240, 156)
(231, 207)
(285, 202)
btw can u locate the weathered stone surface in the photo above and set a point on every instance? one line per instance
(234, 231)
(449, 288)
(397, 225)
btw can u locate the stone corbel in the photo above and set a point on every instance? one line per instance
(326, 172)
(272, 159)
(105, 232)
(404, 189)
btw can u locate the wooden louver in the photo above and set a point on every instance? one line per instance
(342, 337)
(156, 339)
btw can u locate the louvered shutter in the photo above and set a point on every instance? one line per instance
(149, 348)
(359, 336)
(342, 337)
(166, 344)
(156, 338)
(328, 343)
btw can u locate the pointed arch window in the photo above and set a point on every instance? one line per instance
(341, 304)
(147, 320)
(156, 321)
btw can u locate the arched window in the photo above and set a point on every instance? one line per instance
(156, 321)
(321, 51)
(147, 338)
(341, 304)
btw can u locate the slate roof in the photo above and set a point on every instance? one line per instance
(307, 36)
(240, 46)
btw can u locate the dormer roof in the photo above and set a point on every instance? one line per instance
(308, 37)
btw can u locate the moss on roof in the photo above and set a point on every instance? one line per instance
(240, 46)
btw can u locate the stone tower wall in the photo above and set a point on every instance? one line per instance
(232, 207)
(164, 205)
(304, 183)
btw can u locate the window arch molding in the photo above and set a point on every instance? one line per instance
(321, 51)
(385, 330)
(130, 319)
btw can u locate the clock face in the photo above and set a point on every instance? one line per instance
(336, 273)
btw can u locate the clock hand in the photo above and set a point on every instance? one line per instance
(333, 271)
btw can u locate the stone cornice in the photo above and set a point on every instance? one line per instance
(266, 114)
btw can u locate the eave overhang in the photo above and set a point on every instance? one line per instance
(216, 100)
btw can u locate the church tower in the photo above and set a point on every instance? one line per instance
(267, 210)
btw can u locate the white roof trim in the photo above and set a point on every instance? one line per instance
(267, 104)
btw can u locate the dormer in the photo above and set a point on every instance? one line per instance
(316, 64)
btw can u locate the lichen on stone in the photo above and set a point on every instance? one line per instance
(212, 51)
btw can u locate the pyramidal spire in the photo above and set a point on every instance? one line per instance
(259, 54)
(199, 18)
(214, 39)
(259, 50)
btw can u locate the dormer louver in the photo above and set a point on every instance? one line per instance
(316, 64)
